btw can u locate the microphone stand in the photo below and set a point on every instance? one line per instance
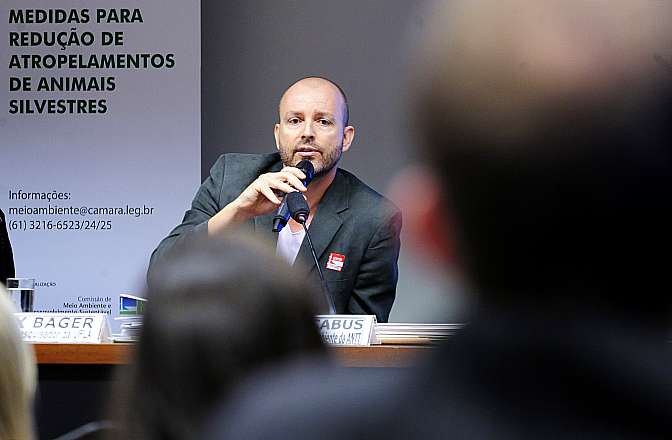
(323, 283)
(300, 211)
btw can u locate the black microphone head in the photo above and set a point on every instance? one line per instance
(308, 169)
(298, 207)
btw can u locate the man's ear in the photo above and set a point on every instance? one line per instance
(348, 137)
(428, 226)
(276, 133)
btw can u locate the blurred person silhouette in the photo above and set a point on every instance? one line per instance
(218, 309)
(547, 173)
(17, 376)
(6, 256)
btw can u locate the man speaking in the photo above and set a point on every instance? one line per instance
(354, 230)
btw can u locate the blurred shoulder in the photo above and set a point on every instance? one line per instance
(308, 401)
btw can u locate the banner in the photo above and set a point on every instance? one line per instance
(99, 141)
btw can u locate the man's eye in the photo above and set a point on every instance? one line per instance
(293, 121)
(324, 122)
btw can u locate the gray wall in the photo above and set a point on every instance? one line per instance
(252, 50)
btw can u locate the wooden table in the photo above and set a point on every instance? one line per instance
(377, 356)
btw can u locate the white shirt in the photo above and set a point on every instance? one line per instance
(289, 244)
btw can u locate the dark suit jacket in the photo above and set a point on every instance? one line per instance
(6, 256)
(351, 220)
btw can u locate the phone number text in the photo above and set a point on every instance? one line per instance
(60, 225)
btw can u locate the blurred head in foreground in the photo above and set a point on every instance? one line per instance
(547, 128)
(17, 376)
(217, 310)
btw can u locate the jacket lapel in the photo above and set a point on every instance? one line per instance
(326, 222)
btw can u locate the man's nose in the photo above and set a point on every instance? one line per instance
(307, 131)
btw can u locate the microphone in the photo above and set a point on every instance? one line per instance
(282, 215)
(298, 207)
(299, 210)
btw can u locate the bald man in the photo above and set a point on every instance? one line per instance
(355, 230)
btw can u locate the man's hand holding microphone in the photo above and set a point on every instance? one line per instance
(261, 197)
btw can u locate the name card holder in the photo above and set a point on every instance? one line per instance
(353, 330)
(64, 328)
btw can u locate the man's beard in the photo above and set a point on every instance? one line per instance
(326, 162)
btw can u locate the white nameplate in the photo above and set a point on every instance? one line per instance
(355, 330)
(64, 328)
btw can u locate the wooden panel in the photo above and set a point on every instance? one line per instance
(398, 356)
(83, 354)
